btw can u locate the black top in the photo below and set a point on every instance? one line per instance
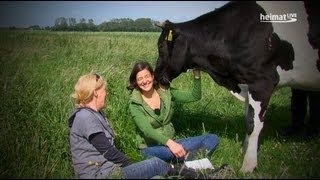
(157, 111)
(101, 142)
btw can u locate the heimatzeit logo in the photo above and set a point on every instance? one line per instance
(276, 18)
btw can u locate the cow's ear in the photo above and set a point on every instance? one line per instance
(166, 24)
(160, 25)
(163, 25)
(176, 33)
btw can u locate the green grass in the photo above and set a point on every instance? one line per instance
(39, 70)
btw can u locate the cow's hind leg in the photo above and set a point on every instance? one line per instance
(258, 98)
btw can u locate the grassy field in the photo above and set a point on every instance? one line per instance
(39, 70)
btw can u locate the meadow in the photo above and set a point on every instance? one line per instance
(38, 73)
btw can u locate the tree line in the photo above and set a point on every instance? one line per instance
(117, 24)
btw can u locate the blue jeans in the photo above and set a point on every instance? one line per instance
(146, 169)
(208, 142)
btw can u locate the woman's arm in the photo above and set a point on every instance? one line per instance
(143, 124)
(189, 95)
(103, 145)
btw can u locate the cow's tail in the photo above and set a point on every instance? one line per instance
(284, 53)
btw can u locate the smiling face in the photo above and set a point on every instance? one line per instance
(144, 80)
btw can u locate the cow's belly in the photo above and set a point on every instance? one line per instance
(300, 79)
(304, 74)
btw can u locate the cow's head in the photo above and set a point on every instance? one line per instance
(173, 51)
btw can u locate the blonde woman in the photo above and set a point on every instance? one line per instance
(94, 154)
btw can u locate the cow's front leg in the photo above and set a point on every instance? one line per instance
(256, 104)
(253, 128)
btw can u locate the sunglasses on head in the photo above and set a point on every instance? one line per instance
(97, 76)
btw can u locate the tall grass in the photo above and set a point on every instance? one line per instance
(39, 70)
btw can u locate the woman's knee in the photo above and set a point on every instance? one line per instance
(213, 139)
(160, 163)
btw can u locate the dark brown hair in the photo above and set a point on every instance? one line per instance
(139, 66)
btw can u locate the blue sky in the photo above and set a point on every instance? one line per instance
(44, 13)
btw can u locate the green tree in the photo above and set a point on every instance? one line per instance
(144, 24)
(72, 24)
(35, 27)
(82, 25)
(103, 26)
(91, 25)
(61, 24)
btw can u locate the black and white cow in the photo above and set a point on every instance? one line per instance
(249, 57)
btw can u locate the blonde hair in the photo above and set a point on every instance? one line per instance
(85, 88)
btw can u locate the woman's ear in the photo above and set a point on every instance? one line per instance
(95, 93)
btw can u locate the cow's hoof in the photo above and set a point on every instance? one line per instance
(247, 169)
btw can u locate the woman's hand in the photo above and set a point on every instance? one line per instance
(196, 73)
(176, 148)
